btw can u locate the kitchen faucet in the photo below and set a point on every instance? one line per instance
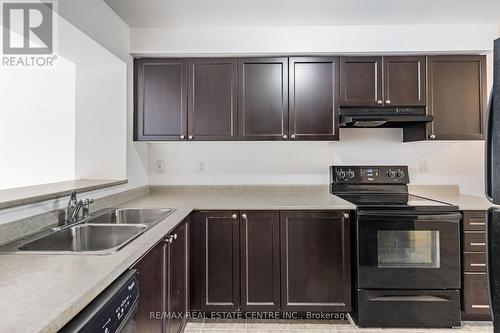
(74, 207)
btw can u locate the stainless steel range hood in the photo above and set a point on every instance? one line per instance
(383, 117)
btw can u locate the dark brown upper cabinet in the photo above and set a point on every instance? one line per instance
(220, 260)
(314, 98)
(383, 81)
(160, 99)
(457, 97)
(315, 261)
(263, 98)
(212, 102)
(404, 81)
(361, 81)
(260, 257)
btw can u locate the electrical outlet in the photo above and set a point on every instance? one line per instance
(202, 165)
(424, 166)
(160, 166)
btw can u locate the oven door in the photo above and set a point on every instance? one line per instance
(408, 250)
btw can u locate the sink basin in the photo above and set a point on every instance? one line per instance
(86, 238)
(130, 216)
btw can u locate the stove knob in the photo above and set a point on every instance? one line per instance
(391, 174)
(350, 174)
(341, 174)
(401, 173)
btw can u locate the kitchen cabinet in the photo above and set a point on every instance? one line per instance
(260, 253)
(383, 81)
(315, 261)
(152, 291)
(314, 98)
(289, 261)
(177, 268)
(163, 284)
(212, 99)
(404, 81)
(263, 98)
(475, 298)
(457, 97)
(220, 262)
(160, 99)
(361, 81)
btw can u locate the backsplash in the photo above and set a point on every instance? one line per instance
(252, 163)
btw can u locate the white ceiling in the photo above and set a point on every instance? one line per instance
(224, 13)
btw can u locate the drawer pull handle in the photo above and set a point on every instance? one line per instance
(478, 265)
(477, 223)
(477, 244)
(480, 306)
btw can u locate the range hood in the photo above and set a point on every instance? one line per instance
(398, 117)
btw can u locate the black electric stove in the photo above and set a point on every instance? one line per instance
(407, 250)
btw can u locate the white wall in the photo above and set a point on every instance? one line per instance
(307, 162)
(37, 124)
(99, 22)
(313, 39)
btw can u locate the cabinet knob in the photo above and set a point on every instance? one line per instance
(244, 216)
(388, 101)
(235, 216)
(293, 136)
(379, 102)
(346, 215)
(190, 137)
(285, 137)
(182, 137)
(432, 136)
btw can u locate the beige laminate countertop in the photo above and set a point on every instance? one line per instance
(41, 293)
(451, 195)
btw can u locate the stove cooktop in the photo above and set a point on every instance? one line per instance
(394, 201)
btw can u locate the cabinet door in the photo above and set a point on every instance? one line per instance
(404, 81)
(152, 289)
(476, 299)
(220, 261)
(260, 270)
(457, 97)
(178, 278)
(315, 261)
(212, 99)
(361, 81)
(160, 99)
(263, 98)
(314, 101)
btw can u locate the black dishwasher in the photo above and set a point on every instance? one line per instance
(113, 311)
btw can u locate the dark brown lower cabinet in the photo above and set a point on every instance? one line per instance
(475, 298)
(260, 258)
(315, 261)
(163, 287)
(270, 261)
(177, 302)
(220, 270)
(152, 289)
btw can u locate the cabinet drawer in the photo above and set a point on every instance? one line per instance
(476, 299)
(474, 221)
(474, 262)
(474, 241)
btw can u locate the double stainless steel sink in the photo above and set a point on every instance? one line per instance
(104, 232)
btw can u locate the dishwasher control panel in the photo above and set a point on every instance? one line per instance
(111, 310)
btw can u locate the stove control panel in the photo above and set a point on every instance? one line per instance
(369, 174)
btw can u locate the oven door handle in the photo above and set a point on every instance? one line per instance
(409, 298)
(449, 217)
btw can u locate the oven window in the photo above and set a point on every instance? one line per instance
(408, 249)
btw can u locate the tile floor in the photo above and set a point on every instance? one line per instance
(309, 326)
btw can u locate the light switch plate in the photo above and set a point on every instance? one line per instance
(160, 166)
